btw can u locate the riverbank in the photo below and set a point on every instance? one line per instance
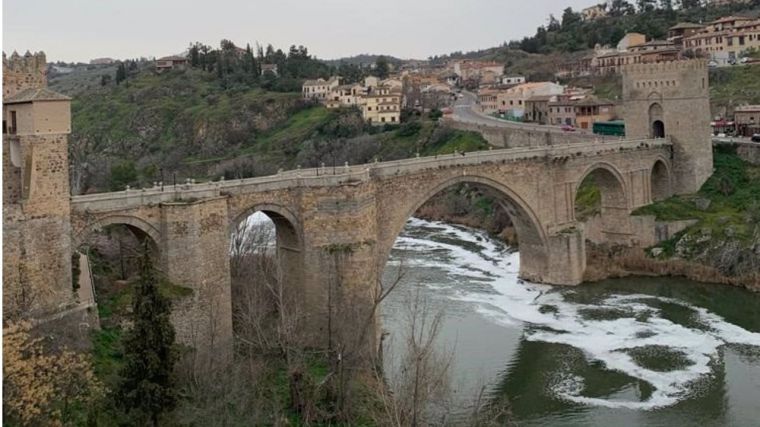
(610, 263)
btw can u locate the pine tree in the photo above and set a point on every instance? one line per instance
(146, 389)
(121, 73)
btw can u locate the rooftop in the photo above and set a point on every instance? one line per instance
(36, 94)
(685, 26)
(730, 19)
(172, 58)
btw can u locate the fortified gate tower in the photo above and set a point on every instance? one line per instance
(37, 278)
(672, 100)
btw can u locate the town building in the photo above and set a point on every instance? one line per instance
(581, 112)
(682, 30)
(379, 100)
(594, 12)
(537, 108)
(633, 48)
(171, 63)
(269, 68)
(481, 72)
(635, 51)
(512, 101)
(346, 95)
(725, 40)
(102, 61)
(382, 105)
(319, 89)
(488, 100)
(747, 120)
(512, 80)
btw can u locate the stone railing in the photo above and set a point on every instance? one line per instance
(342, 175)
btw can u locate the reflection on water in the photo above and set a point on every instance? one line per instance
(650, 351)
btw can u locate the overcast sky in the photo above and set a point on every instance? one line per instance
(79, 30)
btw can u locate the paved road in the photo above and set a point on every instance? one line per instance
(466, 110)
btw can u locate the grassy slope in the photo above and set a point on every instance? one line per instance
(734, 86)
(734, 194)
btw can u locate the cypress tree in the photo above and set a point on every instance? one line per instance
(147, 378)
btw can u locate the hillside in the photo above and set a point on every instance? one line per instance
(188, 124)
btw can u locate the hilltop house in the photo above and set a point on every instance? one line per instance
(319, 89)
(382, 105)
(171, 62)
(269, 68)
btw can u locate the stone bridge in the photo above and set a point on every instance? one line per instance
(360, 210)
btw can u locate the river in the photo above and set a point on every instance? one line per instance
(625, 352)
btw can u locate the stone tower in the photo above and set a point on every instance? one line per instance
(37, 278)
(672, 100)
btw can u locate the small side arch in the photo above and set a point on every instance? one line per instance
(661, 181)
(132, 222)
(612, 223)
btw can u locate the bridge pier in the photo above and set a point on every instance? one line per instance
(195, 255)
(561, 261)
(341, 277)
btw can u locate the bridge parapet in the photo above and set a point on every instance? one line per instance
(341, 175)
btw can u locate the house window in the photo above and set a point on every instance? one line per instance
(12, 130)
(382, 119)
(393, 119)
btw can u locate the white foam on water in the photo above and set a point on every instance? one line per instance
(514, 302)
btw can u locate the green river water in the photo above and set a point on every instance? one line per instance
(624, 352)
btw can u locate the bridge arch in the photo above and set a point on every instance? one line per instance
(531, 234)
(661, 184)
(287, 227)
(612, 221)
(138, 226)
(256, 270)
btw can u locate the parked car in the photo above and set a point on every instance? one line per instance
(568, 128)
(712, 64)
(756, 137)
(744, 60)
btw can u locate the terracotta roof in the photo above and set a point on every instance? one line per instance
(38, 94)
(540, 98)
(172, 58)
(590, 101)
(730, 19)
(685, 26)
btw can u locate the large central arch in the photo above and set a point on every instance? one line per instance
(531, 234)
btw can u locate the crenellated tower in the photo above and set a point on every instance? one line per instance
(37, 278)
(672, 100)
(23, 72)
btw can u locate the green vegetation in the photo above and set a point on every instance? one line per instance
(734, 86)
(571, 33)
(727, 215)
(147, 386)
(733, 193)
(588, 200)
